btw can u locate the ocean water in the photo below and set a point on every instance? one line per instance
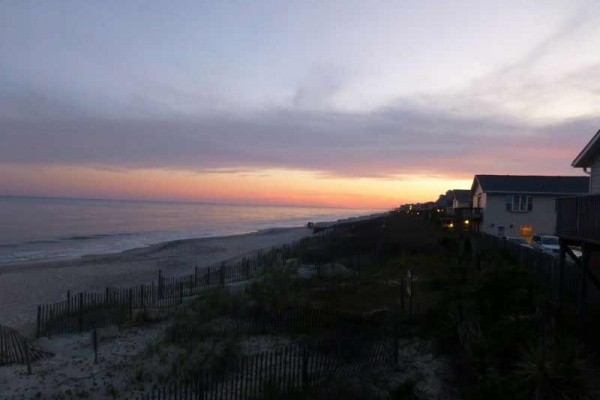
(36, 229)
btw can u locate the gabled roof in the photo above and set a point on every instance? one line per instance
(589, 152)
(531, 184)
(462, 194)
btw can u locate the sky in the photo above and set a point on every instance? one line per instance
(339, 103)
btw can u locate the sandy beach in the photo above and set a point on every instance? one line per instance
(24, 286)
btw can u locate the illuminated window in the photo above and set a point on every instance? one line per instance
(526, 230)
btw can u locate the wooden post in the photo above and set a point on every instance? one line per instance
(49, 326)
(222, 275)
(410, 293)
(130, 317)
(304, 367)
(402, 292)
(80, 321)
(27, 361)
(68, 302)
(39, 322)
(583, 285)
(95, 343)
(396, 339)
(561, 275)
(160, 285)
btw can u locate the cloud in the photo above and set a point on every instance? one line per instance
(318, 88)
(532, 116)
(388, 143)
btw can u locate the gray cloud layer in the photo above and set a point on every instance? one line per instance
(390, 142)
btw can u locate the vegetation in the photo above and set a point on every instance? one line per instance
(498, 328)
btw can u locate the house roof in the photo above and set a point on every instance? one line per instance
(589, 152)
(531, 184)
(462, 194)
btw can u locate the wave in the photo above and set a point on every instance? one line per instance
(46, 241)
(71, 238)
(96, 236)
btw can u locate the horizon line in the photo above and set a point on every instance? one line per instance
(224, 203)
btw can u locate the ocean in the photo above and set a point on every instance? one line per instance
(37, 229)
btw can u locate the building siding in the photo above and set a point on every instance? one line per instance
(542, 218)
(460, 204)
(595, 176)
(479, 198)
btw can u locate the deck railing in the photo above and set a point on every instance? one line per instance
(578, 218)
(470, 213)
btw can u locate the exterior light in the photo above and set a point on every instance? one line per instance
(451, 225)
(466, 222)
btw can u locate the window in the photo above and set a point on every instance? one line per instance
(519, 203)
(526, 230)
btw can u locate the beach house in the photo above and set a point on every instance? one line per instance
(578, 227)
(461, 214)
(522, 205)
(461, 198)
(578, 218)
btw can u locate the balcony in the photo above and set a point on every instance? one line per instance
(578, 218)
(467, 213)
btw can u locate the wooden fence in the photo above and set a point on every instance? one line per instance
(545, 266)
(277, 372)
(85, 311)
(295, 319)
(14, 348)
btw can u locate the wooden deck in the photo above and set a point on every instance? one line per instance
(578, 219)
(466, 213)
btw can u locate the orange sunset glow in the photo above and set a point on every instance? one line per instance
(272, 186)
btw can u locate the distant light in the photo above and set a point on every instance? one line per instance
(466, 222)
(451, 225)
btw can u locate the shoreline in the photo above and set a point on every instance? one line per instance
(24, 286)
(91, 257)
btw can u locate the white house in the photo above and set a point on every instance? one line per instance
(516, 205)
(461, 198)
(590, 158)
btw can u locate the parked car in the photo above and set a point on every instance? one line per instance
(546, 243)
(576, 252)
(519, 241)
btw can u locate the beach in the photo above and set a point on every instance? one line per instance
(23, 286)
